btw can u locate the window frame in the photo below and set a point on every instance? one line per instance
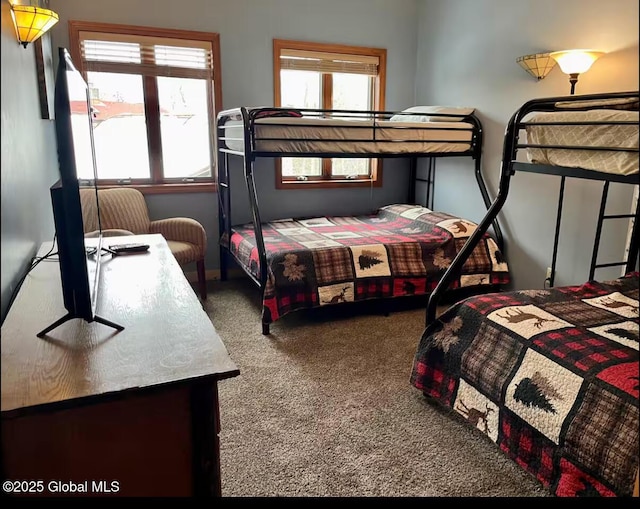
(158, 184)
(378, 97)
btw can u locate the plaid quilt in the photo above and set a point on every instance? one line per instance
(550, 376)
(401, 250)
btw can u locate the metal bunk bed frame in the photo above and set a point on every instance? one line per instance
(250, 154)
(510, 166)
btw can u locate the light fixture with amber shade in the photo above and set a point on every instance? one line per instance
(32, 21)
(575, 61)
(537, 65)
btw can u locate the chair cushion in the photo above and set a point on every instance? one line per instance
(185, 252)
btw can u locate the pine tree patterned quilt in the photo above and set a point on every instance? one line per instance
(550, 376)
(401, 250)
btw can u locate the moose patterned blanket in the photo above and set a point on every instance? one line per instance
(401, 250)
(550, 376)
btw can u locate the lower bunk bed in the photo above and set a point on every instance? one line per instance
(402, 250)
(550, 376)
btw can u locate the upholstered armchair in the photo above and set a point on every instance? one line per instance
(123, 211)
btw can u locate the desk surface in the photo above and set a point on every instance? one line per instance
(167, 336)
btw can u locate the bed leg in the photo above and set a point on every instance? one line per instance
(265, 329)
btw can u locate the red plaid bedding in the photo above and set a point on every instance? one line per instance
(401, 250)
(550, 376)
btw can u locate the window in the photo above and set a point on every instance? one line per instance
(154, 94)
(328, 76)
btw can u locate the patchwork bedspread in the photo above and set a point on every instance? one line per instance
(550, 376)
(401, 250)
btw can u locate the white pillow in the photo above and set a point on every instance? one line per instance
(427, 114)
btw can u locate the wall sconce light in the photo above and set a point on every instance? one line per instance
(538, 64)
(31, 22)
(575, 61)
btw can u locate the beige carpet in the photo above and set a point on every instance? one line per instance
(323, 407)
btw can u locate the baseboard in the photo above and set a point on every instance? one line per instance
(214, 275)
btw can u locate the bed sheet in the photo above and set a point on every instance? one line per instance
(611, 135)
(401, 250)
(550, 376)
(298, 135)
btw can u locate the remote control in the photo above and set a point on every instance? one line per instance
(129, 248)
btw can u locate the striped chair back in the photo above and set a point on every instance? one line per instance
(124, 209)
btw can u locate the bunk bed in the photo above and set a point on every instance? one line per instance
(551, 375)
(399, 250)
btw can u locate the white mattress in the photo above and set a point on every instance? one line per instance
(622, 163)
(299, 135)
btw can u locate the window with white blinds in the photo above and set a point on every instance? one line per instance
(155, 93)
(328, 77)
(304, 60)
(150, 56)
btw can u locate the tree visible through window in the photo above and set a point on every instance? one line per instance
(154, 94)
(328, 76)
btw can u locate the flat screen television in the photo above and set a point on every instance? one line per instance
(79, 260)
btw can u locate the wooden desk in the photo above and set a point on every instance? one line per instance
(137, 408)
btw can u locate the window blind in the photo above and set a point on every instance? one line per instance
(302, 60)
(153, 56)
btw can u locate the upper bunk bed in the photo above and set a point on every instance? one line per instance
(591, 137)
(402, 249)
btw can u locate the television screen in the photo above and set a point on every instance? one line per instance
(79, 260)
(81, 123)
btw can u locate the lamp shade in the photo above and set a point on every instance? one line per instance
(576, 61)
(537, 65)
(32, 22)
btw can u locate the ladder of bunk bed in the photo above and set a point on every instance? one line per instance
(633, 242)
(224, 208)
(224, 197)
(429, 181)
(631, 250)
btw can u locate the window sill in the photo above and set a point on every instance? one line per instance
(204, 187)
(327, 184)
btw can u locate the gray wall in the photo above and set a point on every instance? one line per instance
(247, 28)
(467, 54)
(28, 159)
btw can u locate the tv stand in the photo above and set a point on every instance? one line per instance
(132, 414)
(70, 316)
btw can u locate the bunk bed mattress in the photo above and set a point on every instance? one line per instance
(291, 135)
(605, 135)
(550, 376)
(401, 250)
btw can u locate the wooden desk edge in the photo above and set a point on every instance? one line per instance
(12, 413)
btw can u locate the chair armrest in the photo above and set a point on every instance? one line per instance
(115, 232)
(181, 229)
(112, 232)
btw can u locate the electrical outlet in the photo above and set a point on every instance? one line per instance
(548, 276)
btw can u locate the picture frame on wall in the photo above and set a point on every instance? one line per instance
(44, 67)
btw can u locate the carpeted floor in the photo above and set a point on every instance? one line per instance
(323, 407)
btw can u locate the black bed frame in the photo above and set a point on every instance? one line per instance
(510, 166)
(250, 154)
